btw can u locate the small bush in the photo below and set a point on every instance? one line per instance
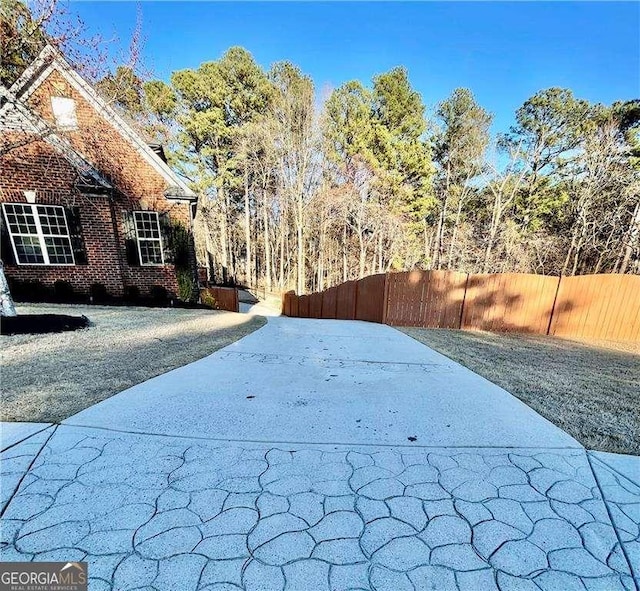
(16, 287)
(159, 295)
(187, 286)
(179, 242)
(31, 291)
(63, 291)
(98, 293)
(132, 293)
(207, 298)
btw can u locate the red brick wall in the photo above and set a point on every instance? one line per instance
(37, 166)
(104, 146)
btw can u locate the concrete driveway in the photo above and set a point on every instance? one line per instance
(327, 381)
(319, 454)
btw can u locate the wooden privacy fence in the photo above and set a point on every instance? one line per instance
(353, 300)
(587, 306)
(224, 298)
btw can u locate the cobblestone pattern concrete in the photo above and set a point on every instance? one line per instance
(16, 461)
(622, 497)
(164, 513)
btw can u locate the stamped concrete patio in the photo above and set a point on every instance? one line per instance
(325, 455)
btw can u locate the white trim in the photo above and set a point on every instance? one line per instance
(47, 52)
(180, 200)
(159, 239)
(13, 244)
(35, 83)
(61, 65)
(40, 235)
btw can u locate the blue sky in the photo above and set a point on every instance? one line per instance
(504, 52)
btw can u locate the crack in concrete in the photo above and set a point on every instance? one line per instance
(28, 468)
(182, 478)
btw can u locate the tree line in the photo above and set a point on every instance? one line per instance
(306, 195)
(304, 192)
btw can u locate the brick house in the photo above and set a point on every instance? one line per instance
(86, 202)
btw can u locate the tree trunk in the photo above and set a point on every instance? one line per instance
(224, 235)
(436, 245)
(454, 235)
(247, 230)
(344, 254)
(321, 255)
(498, 209)
(437, 251)
(362, 258)
(632, 238)
(281, 278)
(489, 249)
(576, 259)
(301, 284)
(7, 308)
(567, 259)
(210, 252)
(267, 245)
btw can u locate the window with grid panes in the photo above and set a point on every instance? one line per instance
(39, 234)
(149, 237)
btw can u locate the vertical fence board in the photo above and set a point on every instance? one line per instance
(608, 325)
(619, 326)
(633, 320)
(442, 299)
(393, 300)
(303, 306)
(315, 305)
(634, 328)
(414, 288)
(429, 304)
(602, 306)
(399, 294)
(509, 302)
(385, 301)
(370, 298)
(329, 302)
(346, 301)
(286, 303)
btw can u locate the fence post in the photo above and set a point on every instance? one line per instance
(385, 301)
(286, 298)
(355, 300)
(464, 299)
(553, 307)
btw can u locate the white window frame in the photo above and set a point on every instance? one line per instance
(138, 238)
(40, 235)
